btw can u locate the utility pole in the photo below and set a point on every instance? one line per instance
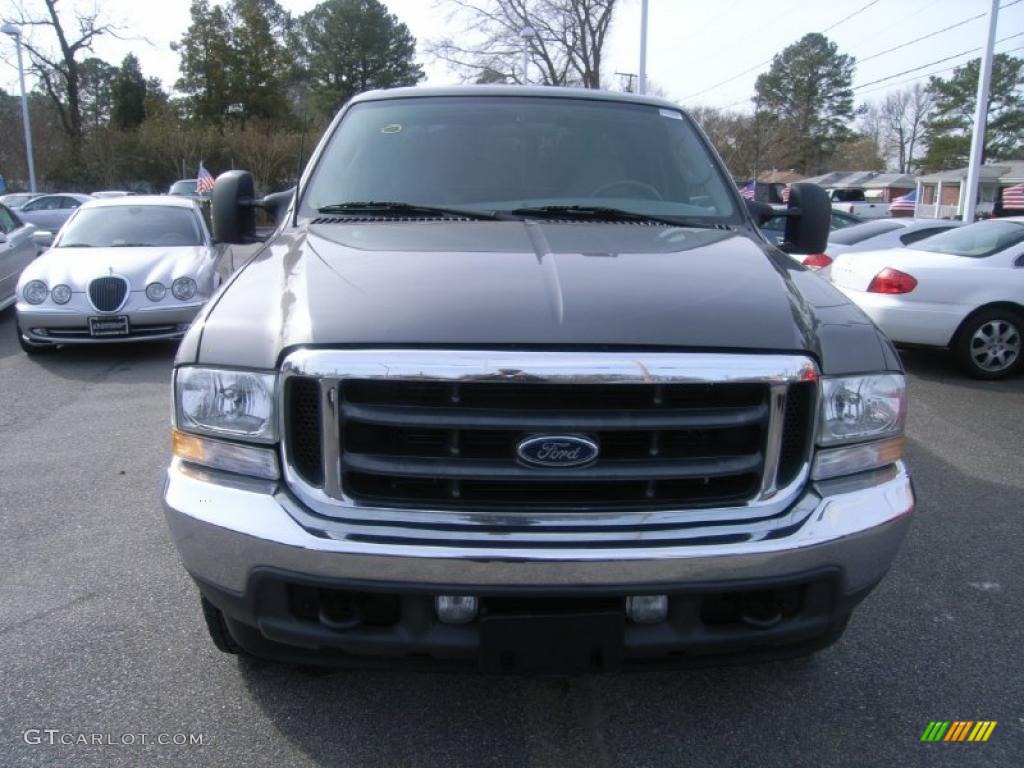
(15, 32)
(630, 76)
(643, 46)
(980, 118)
(526, 33)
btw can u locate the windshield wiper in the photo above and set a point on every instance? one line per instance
(602, 213)
(408, 209)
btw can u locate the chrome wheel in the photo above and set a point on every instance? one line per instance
(995, 345)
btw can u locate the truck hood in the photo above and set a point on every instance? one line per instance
(502, 284)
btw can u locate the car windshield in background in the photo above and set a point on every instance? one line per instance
(861, 232)
(507, 153)
(187, 188)
(983, 238)
(135, 226)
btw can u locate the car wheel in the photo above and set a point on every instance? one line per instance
(990, 344)
(218, 629)
(31, 348)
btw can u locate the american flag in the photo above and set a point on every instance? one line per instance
(749, 190)
(204, 181)
(1013, 197)
(785, 194)
(907, 202)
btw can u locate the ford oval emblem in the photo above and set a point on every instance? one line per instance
(557, 451)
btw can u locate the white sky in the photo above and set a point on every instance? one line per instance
(694, 45)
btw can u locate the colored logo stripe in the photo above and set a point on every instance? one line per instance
(935, 730)
(958, 730)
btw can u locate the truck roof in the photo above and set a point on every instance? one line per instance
(420, 91)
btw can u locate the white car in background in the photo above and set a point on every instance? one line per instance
(122, 269)
(962, 289)
(874, 236)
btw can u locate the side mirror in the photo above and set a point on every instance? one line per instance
(231, 211)
(233, 207)
(761, 212)
(808, 219)
(43, 238)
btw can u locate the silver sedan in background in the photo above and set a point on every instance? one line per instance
(17, 249)
(121, 269)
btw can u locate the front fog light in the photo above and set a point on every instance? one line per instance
(857, 408)
(184, 288)
(35, 292)
(156, 291)
(224, 403)
(456, 609)
(647, 609)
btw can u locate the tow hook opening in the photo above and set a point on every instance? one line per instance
(760, 609)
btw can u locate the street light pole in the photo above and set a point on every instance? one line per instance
(15, 32)
(526, 33)
(643, 47)
(980, 118)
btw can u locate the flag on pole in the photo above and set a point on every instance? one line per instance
(204, 181)
(904, 204)
(785, 194)
(749, 191)
(1013, 198)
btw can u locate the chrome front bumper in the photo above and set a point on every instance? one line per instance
(56, 319)
(227, 527)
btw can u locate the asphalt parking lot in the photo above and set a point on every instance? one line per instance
(101, 629)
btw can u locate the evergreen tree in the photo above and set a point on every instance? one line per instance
(349, 46)
(129, 95)
(808, 92)
(949, 129)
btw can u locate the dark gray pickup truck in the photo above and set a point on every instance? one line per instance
(517, 384)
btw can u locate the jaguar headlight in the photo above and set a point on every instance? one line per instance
(61, 294)
(184, 288)
(35, 292)
(156, 291)
(859, 408)
(224, 403)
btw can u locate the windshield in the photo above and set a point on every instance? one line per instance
(124, 226)
(505, 153)
(185, 187)
(982, 238)
(858, 233)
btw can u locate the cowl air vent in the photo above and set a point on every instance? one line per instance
(384, 218)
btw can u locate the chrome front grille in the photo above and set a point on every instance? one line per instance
(107, 294)
(438, 430)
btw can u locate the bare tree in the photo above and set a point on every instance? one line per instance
(60, 73)
(902, 116)
(567, 49)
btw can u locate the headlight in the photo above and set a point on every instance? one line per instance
(184, 288)
(35, 292)
(61, 294)
(859, 408)
(238, 404)
(156, 291)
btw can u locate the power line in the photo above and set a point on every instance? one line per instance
(769, 60)
(847, 18)
(931, 63)
(931, 34)
(933, 72)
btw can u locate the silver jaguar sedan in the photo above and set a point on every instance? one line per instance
(120, 269)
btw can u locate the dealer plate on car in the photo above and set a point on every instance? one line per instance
(108, 326)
